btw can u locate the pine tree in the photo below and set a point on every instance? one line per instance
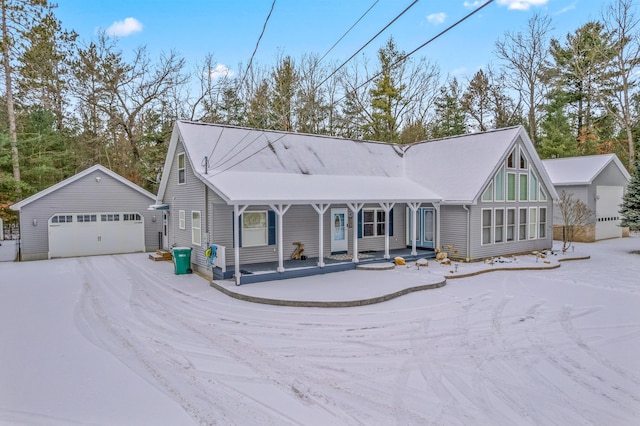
(630, 210)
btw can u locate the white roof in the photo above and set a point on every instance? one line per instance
(249, 166)
(581, 170)
(97, 167)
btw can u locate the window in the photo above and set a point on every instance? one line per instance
(511, 224)
(196, 225)
(131, 216)
(533, 187)
(62, 219)
(486, 226)
(523, 161)
(524, 188)
(533, 222)
(499, 180)
(181, 220)
(511, 186)
(110, 218)
(511, 160)
(522, 224)
(254, 229)
(499, 227)
(181, 176)
(488, 193)
(542, 233)
(543, 195)
(373, 223)
(84, 218)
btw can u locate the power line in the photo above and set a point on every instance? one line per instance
(366, 44)
(404, 57)
(349, 30)
(264, 27)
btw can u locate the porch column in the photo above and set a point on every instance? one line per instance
(237, 212)
(280, 211)
(321, 209)
(355, 208)
(414, 231)
(436, 206)
(387, 208)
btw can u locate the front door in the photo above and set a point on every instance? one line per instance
(339, 236)
(425, 221)
(165, 230)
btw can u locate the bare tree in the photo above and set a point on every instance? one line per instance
(621, 22)
(575, 215)
(525, 55)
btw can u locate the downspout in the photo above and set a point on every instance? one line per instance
(464, 206)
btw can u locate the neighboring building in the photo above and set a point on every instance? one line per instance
(599, 181)
(93, 212)
(485, 194)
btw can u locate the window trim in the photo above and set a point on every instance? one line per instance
(197, 241)
(182, 177)
(376, 223)
(182, 219)
(484, 227)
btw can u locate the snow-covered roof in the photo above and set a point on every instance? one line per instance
(249, 166)
(581, 170)
(17, 206)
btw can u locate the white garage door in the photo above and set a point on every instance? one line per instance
(86, 234)
(608, 200)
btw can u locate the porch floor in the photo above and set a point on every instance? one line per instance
(267, 271)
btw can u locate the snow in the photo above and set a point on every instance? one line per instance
(123, 340)
(580, 170)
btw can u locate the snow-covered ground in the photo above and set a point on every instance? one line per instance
(116, 340)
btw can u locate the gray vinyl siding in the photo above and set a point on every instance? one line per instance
(453, 229)
(84, 195)
(579, 192)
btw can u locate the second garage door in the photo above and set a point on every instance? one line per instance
(608, 200)
(87, 234)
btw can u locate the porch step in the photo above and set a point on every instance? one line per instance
(375, 266)
(161, 255)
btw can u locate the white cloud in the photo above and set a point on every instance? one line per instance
(437, 18)
(472, 4)
(220, 71)
(124, 28)
(521, 4)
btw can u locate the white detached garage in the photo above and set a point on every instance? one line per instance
(599, 181)
(94, 212)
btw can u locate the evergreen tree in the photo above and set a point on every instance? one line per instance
(557, 139)
(449, 116)
(630, 209)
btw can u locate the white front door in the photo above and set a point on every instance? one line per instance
(339, 235)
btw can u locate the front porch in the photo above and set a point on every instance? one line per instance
(268, 271)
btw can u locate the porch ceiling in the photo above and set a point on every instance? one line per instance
(289, 188)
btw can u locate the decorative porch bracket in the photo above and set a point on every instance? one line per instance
(387, 208)
(414, 232)
(355, 208)
(280, 211)
(321, 209)
(237, 212)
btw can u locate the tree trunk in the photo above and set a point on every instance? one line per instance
(9, 94)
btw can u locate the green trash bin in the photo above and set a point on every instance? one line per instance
(182, 260)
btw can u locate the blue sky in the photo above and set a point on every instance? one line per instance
(229, 29)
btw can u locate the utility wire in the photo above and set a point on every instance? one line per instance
(264, 27)
(366, 44)
(404, 57)
(349, 30)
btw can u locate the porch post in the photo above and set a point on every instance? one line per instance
(387, 208)
(436, 206)
(355, 208)
(237, 211)
(280, 211)
(321, 209)
(414, 231)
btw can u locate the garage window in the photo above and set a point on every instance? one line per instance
(110, 218)
(84, 218)
(62, 219)
(196, 226)
(131, 216)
